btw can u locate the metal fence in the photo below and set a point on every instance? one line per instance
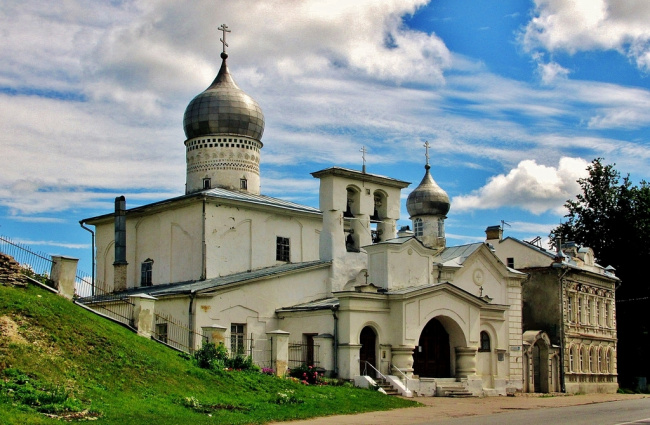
(260, 351)
(36, 262)
(114, 305)
(303, 354)
(174, 333)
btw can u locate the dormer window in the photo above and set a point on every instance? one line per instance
(206, 184)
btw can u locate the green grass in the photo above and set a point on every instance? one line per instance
(58, 359)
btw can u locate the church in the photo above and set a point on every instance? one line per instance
(373, 299)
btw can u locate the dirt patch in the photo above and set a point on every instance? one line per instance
(9, 331)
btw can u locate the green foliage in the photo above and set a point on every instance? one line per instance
(211, 356)
(612, 216)
(22, 390)
(103, 367)
(306, 374)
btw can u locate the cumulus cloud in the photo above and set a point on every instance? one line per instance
(583, 25)
(530, 186)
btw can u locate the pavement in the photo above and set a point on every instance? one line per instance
(440, 408)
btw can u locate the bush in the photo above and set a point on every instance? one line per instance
(211, 356)
(306, 374)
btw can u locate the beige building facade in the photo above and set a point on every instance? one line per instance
(571, 299)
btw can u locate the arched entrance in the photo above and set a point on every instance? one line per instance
(368, 351)
(431, 357)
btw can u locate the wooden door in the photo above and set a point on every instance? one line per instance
(367, 353)
(431, 357)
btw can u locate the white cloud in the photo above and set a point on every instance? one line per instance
(530, 186)
(583, 25)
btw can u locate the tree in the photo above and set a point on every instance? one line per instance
(612, 216)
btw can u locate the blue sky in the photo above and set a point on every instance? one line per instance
(515, 97)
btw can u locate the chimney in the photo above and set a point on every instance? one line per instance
(120, 264)
(494, 233)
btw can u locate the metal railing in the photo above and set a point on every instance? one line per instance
(37, 262)
(405, 378)
(175, 333)
(365, 370)
(303, 354)
(114, 305)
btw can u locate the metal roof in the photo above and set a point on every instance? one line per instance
(221, 194)
(199, 286)
(322, 304)
(458, 253)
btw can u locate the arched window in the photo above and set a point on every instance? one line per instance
(571, 359)
(417, 227)
(485, 341)
(599, 354)
(441, 228)
(591, 359)
(146, 272)
(610, 360)
(582, 359)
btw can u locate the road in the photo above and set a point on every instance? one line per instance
(610, 413)
(559, 409)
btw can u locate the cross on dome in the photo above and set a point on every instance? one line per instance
(426, 147)
(363, 156)
(224, 28)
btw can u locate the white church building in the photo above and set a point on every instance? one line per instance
(340, 277)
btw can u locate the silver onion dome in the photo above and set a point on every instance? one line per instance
(223, 108)
(428, 198)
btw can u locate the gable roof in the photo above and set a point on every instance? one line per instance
(218, 194)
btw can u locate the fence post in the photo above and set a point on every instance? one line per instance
(143, 313)
(279, 351)
(64, 273)
(215, 334)
(325, 344)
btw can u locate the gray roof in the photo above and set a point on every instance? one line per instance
(199, 286)
(458, 253)
(360, 175)
(224, 194)
(322, 304)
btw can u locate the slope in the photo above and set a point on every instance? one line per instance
(58, 358)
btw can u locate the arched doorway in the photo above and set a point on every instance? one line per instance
(431, 357)
(368, 351)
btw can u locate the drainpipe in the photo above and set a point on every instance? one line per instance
(191, 317)
(204, 271)
(92, 257)
(562, 342)
(336, 341)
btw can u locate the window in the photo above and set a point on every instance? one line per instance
(161, 332)
(206, 184)
(282, 252)
(582, 359)
(237, 338)
(417, 227)
(606, 313)
(591, 360)
(579, 309)
(571, 359)
(597, 313)
(441, 228)
(588, 312)
(600, 361)
(146, 272)
(569, 308)
(510, 262)
(485, 341)
(243, 184)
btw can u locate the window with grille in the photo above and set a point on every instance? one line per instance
(237, 338)
(146, 272)
(282, 250)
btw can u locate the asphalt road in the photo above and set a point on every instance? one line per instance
(609, 413)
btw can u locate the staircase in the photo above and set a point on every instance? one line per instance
(386, 386)
(452, 388)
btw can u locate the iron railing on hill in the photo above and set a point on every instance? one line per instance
(37, 262)
(114, 305)
(303, 354)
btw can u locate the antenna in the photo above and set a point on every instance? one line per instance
(504, 223)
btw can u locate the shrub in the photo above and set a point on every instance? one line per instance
(306, 374)
(211, 356)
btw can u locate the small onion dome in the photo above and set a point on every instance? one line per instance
(428, 198)
(223, 108)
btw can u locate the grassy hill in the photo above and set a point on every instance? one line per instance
(56, 358)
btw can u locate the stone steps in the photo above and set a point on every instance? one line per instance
(387, 387)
